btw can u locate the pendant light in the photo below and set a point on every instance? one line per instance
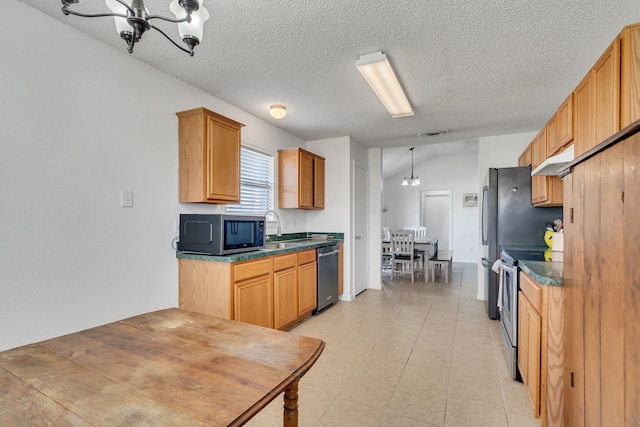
(413, 181)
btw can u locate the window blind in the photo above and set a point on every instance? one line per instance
(256, 183)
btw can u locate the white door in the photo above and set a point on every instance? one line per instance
(436, 216)
(360, 225)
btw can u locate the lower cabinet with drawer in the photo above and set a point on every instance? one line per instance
(540, 348)
(275, 291)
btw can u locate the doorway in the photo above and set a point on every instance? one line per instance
(436, 214)
(360, 225)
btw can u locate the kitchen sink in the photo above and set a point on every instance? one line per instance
(288, 244)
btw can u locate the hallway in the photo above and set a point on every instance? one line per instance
(411, 354)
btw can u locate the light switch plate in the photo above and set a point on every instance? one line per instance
(126, 198)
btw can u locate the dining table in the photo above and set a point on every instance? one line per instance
(164, 368)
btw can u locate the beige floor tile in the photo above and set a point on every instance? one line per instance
(462, 413)
(409, 354)
(423, 405)
(516, 397)
(519, 420)
(372, 391)
(346, 413)
(391, 419)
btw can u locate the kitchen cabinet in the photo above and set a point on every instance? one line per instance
(285, 290)
(602, 273)
(275, 291)
(300, 179)
(560, 128)
(307, 273)
(598, 101)
(209, 157)
(525, 157)
(565, 122)
(540, 348)
(253, 292)
(629, 75)
(529, 333)
(545, 190)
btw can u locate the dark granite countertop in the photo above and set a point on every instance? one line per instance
(304, 244)
(549, 273)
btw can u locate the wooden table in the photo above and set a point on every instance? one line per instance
(165, 368)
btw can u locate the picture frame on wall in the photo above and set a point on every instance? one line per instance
(470, 200)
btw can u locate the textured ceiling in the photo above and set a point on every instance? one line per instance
(474, 68)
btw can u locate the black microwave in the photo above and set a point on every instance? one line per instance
(220, 234)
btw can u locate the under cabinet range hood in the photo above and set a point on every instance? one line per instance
(553, 165)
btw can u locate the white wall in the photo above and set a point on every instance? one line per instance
(79, 121)
(375, 217)
(456, 173)
(336, 216)
(500, 151)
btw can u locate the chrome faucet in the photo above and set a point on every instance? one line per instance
(279, 233)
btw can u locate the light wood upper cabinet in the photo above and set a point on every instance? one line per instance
(209, 157)
(584, 116)
(525, 157)
(545, 190)
(300, 179)
(630, 75)
(565, 123)
(597, 101)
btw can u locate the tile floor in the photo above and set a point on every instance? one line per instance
(411, 354)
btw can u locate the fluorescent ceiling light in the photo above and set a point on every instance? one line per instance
(376, 70)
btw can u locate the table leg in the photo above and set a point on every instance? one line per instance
(290, 416)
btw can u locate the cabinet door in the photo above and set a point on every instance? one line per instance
(584, 116)
(630, 75)
(285, 297)
(552, 136)
(318, 183)
(307, 275)
(530, 329)
(305, 181)
(565, 122)
(607, 92)
(223, 162)
(253, 301)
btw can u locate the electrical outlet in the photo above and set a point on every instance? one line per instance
(126, 198)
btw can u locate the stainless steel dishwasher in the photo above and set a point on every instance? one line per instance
(327, 276)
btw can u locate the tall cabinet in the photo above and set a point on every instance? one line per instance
(602, 284)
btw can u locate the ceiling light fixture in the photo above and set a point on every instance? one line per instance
(278, 111)
(413, 181)
(376, 70)
(132, 20)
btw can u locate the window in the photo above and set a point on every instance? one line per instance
(256, 183)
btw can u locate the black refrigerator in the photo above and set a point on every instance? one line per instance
(509, 218)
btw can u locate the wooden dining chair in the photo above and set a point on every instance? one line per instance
(420, 231)
(402, 249)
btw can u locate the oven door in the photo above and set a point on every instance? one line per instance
(509, 301)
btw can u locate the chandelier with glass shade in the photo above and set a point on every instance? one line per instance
(132, 20)
(413, 181)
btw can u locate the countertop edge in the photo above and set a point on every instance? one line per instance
(257, 254)
(550, 273)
